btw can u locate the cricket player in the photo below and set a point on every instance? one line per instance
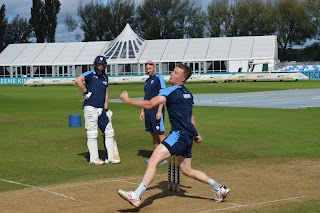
(94, 86)
(179, 102)
(153, 118)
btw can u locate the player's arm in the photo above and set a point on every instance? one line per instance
(197, 138)
(79, 82)
(106, 101)
(142, 114)
(146, 104)
(159, 113)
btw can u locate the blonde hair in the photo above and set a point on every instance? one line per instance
(186, 71)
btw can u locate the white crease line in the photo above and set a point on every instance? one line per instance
(97, 182)
(44, 190)
(130, 182)
(253, 204)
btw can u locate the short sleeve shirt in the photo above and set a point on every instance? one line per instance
(98, 86)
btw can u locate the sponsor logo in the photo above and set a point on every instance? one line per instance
(186, 96)
(152, 81)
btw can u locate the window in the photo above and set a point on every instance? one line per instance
(135, 46)
(121, 69)
(134, 69)
(131, 52)
(112, 50)
(115, 55)
(165, 68)
(172, 65)
(124, 50)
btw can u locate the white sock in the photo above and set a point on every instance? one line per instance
(214, 184)
(140, 190)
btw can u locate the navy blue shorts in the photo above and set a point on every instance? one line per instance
(179, 144)
(103, 121)
(151, 123)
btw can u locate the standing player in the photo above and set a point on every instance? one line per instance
(95, 109)
(153, 118)
(179, 102)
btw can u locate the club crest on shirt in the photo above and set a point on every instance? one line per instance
(157, 127)
(186, 96)
(152, 81)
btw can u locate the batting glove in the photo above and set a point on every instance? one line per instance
(109, 114)
(86, 95)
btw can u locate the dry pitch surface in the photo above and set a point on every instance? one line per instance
(258, 186)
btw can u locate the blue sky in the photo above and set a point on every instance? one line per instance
(23, 7)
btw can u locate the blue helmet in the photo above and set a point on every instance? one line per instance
(100, 60)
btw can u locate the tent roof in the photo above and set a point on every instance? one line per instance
(197, 49)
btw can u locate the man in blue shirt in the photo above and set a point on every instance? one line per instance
(153, 118)
(94, 85)
(179, 102)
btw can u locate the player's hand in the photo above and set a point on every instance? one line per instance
(158, 117)
(197, 139)
(124, 96)
(141, 116)
(109, 114)
(86, 95)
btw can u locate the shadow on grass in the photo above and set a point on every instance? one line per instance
(164, 193)
(102, 155)
(144, 153)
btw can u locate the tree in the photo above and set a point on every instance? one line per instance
(294, 26)
(161, 19)
(18, 31)
(102, 22)
(253, 17)
(240, 18)
(3, 27)
(94, 21)
(52, 8)
(44, 19)
(313, 8)
(38, 20)
(194, 22)
(217, 16)
(122, 12)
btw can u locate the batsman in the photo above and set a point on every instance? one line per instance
(94, 86)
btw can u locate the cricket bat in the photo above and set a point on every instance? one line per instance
(116, 155)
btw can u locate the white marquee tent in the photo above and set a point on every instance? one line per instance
(128, 52)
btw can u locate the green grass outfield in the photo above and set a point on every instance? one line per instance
(38, 148)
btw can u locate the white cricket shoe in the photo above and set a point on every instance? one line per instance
(222, 193)
(130, 196)
(113, 161)
(97, 162)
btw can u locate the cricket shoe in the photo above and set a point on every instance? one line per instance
(113, 161)
(97, 162)
(222, 193)
(130, 196)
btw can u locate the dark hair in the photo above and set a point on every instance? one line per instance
(186, 70)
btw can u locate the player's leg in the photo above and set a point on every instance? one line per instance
(134, 197)
(186, 169)
(106, 127)
(157, 138)
(91, 125)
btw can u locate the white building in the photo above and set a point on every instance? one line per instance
(128, 52)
